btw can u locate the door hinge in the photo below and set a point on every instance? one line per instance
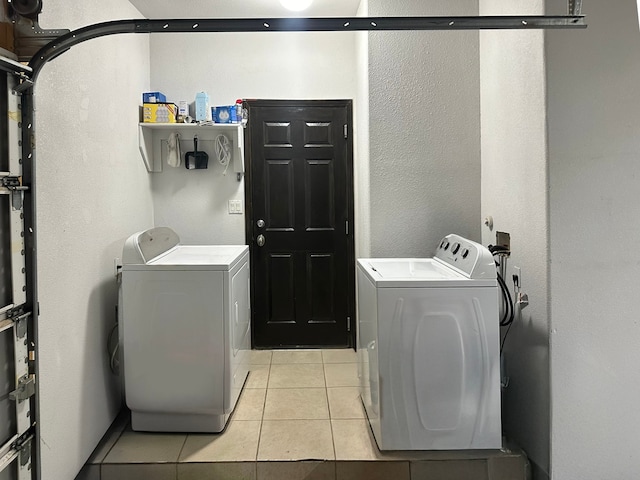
(21, 326)
(26, 389)
(346, 131)
(348, 324)
(23, 447)
(19, 317)
(18, 447)
(13, 183)
(16, 311)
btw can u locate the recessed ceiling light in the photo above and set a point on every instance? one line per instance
(296, 5)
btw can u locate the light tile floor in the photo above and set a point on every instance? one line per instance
(299, 417)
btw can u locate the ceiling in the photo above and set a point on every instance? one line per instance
(168, 9)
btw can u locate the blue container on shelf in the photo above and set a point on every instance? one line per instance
(223, 114)
(154, 97)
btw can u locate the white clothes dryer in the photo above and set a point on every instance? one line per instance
(184, 331)
(428, 349)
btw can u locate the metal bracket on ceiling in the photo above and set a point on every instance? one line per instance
(29, 38)
(575, 7)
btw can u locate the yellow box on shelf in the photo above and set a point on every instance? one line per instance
(159, 112)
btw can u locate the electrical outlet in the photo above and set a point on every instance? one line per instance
(517, 276)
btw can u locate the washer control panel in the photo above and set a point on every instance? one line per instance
(468, 257)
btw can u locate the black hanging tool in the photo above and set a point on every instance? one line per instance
(195, 159)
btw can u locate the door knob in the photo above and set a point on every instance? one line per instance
(260, 240)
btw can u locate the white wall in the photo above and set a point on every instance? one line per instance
(425, 131)
(594, 145)
(361, 144)
(230, 66)
(514, 193)
(92, 192)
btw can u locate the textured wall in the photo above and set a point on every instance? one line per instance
(594, 145)
(361, 144)
(425, 132)
(93, 191)
(514, 192)
(227, 67)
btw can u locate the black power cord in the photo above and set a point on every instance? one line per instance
(509, 314)
(509, 307)
(504, 339)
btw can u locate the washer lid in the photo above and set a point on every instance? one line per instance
(143, 246)
(416, 273)
(195, 257)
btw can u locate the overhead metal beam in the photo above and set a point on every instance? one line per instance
(328, 24)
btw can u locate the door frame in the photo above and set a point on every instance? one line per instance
(250, 105)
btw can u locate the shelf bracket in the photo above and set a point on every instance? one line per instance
(145, 143)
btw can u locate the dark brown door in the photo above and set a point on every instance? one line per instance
(299, 222)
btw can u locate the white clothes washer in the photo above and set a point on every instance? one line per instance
(184, 331)
(428, 349)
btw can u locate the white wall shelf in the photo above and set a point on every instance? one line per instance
(152, 140)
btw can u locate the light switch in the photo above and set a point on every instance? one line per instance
(235, 207)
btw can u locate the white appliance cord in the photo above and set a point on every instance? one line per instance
(223, 151)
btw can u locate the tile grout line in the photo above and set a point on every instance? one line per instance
(113, 445)
(180, 452)
(333, 438)
(264, 406)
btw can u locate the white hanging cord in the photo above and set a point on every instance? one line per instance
(223, 151)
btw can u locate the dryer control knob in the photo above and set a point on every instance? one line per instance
(455, 248)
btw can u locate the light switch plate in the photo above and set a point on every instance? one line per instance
(235, 207)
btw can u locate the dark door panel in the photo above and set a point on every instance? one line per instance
(300, 184)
